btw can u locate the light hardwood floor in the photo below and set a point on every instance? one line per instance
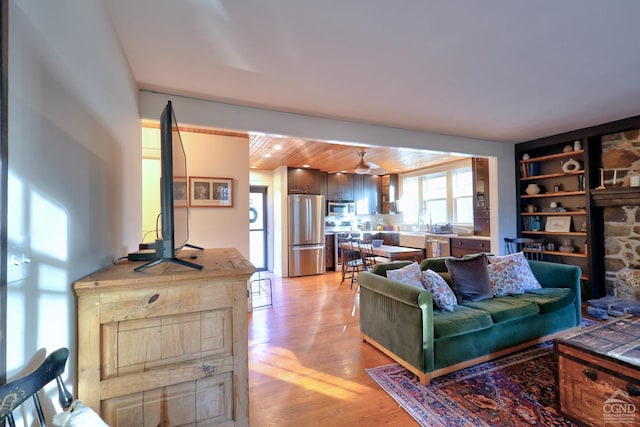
(307, 362)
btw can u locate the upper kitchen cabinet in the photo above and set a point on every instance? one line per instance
(481, 215)
(306, 181)
(389, 193)
(340, 186)
(366, 191)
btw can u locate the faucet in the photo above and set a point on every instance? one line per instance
(421, 214)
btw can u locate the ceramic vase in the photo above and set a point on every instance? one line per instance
(532, 189)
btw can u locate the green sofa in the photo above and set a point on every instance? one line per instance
(400, 320)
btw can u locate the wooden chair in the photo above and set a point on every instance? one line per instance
(369, 258)
(532, 248)
(16, 392)
(352, 262)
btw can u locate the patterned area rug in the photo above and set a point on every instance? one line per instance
(515, 390)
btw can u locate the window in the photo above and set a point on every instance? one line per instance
(462, 192)
(435, 197)
(447, 195)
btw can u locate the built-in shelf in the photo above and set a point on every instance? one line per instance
(551, 175)
(553, 194)
(562, 155)
(553, 213)
(557, 233)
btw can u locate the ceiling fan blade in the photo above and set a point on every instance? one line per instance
(373, 165)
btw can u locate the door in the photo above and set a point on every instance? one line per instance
(258, 254)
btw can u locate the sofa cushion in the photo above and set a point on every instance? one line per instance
(470, 277)
(505, 308)
(409, 275)
(513, 274)
(549, 299)
(461, 320)
(443, 296)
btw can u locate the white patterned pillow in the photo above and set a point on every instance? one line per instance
(511, 274)
(443, 296)
(410, 275)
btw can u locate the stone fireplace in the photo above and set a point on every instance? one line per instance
(621, 215)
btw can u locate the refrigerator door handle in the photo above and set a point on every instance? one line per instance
(307, 248)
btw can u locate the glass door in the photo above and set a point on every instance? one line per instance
(258, 227)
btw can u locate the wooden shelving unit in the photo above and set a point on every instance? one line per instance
(543, 165)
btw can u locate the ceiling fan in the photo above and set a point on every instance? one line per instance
(363, 168)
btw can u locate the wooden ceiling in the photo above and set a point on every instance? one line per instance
(267, 152)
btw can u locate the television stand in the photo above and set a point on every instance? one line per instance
(173, 260)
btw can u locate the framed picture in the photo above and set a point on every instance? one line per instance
(180, 191)
(558, 224)
(208, 192)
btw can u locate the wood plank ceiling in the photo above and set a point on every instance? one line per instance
(267, 152)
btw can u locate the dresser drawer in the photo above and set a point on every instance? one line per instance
(471, 244)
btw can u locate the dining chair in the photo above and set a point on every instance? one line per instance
(532, 248)
(353, 262)
(368, 255)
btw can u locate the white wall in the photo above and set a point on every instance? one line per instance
(229, 116)
(211, 156)
(74, 166)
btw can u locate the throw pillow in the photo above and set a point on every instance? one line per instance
(470, 277)
(515, 269)
(443, 296)
(502, 280)
(410, 275)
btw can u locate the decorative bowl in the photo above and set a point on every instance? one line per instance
(376, 243)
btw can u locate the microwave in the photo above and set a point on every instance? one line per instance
(341, 208)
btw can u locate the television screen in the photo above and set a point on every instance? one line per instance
(174, 209)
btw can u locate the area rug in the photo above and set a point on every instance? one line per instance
(515, 390)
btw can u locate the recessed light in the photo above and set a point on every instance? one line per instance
(306, 166)
(278, 147)
(267, 155)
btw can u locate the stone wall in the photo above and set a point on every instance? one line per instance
(621, 153)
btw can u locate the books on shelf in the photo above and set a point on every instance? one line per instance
(530, 169)
(532, 223)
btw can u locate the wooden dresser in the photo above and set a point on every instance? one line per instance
(166, 346)
(599, 373)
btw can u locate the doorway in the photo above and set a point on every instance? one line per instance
(258, 233)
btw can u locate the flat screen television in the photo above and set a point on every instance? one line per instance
(174, 203)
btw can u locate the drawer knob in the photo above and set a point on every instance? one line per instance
(591, 374)
(633, 390)
(154, 298)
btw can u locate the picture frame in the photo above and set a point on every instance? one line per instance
(558, 224)
(180, 191)
(210, 192)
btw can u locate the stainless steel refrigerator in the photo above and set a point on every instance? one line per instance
(306, 235)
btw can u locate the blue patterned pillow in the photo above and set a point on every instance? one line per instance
(410, 275)
(511, 274)
(443, 296)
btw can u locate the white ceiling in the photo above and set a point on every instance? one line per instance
(504, 70)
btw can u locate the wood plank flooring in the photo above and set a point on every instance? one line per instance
(307, 362)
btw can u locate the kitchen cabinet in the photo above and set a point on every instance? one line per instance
(329, 248)
(166, 346)
(481, 199)
(389, 193)
(366, 191)
(461, 246)
(340, 186)
(304, 181)
(392, 239)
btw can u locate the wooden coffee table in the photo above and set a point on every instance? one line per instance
(599, 373)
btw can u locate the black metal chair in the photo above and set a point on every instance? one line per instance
(15, 393)
(532, 248)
